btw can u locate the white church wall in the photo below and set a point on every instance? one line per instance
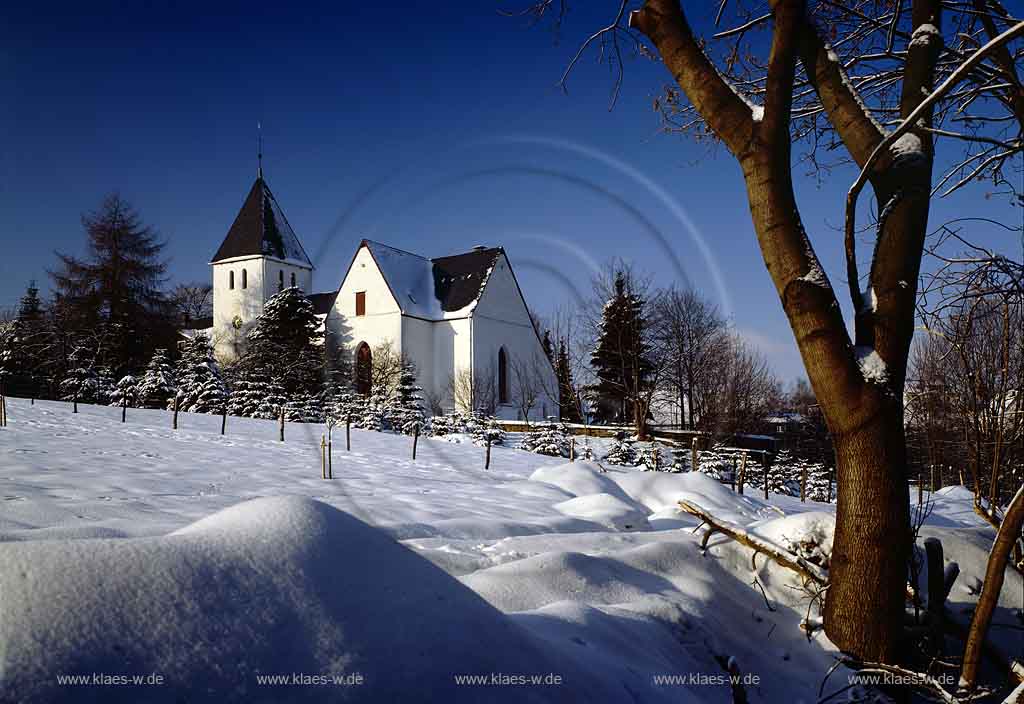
(500, 319)
(382, 321)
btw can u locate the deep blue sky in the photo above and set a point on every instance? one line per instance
(429, 126)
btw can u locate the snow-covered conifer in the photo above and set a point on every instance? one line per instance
(125, 392)
(157, 384)
(547, 438)
(622, 451)
(200, 386)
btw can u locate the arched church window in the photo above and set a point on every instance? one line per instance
(280, 281)
(502, 376)
(231, 280)
(364, 369)
(245, 279)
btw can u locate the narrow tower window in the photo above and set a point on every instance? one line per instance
(360, 302)
(293, 279)
(231, 280)
(245, 279)
(280, 281)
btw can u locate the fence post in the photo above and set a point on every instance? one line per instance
(348, 434)
(330, 455)
(74, 402)
(572, 448)
(934, 482)
(767, 475)
(487, 457)
(3, 411)
(920, 487)
(415, 439)
(694, 456)
(743, 471)
(174, 421)
(224, 419)
(831, 478)
(323, 457)
(803, 484)
(656, 458)
(124, 408)
(733, 482)
(280, 424)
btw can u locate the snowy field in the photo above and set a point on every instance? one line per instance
(225, 569)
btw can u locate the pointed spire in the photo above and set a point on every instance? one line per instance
(259, 150)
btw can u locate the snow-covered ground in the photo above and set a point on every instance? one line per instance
(207, 564)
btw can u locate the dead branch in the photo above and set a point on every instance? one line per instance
(809, 571)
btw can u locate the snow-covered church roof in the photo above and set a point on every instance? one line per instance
(261, 229)
(434, 289)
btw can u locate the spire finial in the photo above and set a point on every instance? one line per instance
(259, 149)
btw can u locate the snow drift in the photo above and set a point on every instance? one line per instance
(271, 586)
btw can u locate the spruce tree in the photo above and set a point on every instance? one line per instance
(117, 283)
(622, 451)
(547, 438)
(405, 410)
(126, 392)
(200, 386)
(157, 385)
(620, 359)
(81, 383)
(568, 404)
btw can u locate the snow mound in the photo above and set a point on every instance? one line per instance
(579, 479)
(607, 510)
(808, 535)
(272, 586)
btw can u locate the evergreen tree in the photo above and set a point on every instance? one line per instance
(126, 389)
(35, 348)
(620, 360)
(10, 353)
(81, 383)
(200, 386)
(157, 385)
(547, 438)
(549, 350)
(622, 451)
(118, 283)
(405, 411)
(568, 403)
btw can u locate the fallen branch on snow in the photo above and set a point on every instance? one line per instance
(809, 571)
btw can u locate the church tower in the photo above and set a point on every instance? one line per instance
(260, 256)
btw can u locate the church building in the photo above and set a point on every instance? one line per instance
(461, 318)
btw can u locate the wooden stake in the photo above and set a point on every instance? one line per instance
(694, 456)
(572, 448)
(323, 457)
(934, 481)
(743, 471)
(124, 409)
(831, 478)
(330, 456)
(920, 487)
(348, 433)
(415, 439)
(280, 424)
(224, 419)
(803, 484)
(936, 592)
(767, 475)
(487, 457)
(174, 422)
(3, 411)
(655, 458)
(74, 403)
(733, 482)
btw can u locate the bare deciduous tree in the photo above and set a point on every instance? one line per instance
(883, 62)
